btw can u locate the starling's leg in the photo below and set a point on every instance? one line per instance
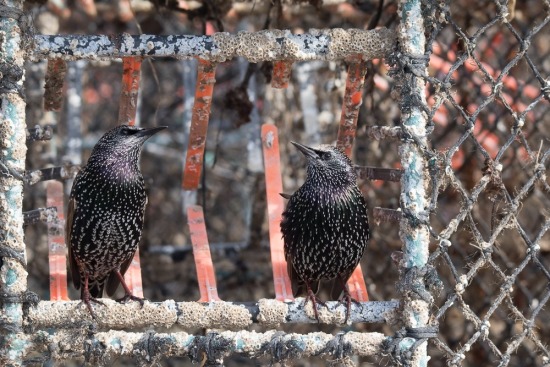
(347, 299)
(314, 301)
(128, 296)
(87, 298)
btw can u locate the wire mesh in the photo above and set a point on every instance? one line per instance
(488, 106)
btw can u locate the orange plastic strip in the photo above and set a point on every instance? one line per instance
(130, 88)
(356, 285)
(133, 276)
(281, 74)
(201, 251)
(275, 206)
(57, 250)
(199, 124)
(352, 101)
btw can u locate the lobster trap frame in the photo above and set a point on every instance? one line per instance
(25, 321)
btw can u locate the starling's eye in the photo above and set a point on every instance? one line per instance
(325, 156)
(126, 131)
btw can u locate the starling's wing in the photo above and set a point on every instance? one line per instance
(285, 196)
(73, 266)
(113, 281)
(298, 286)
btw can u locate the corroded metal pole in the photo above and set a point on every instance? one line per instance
(414, 181)
(13, 275)
(267, 45)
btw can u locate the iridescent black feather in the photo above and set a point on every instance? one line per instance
(325, 225)
(105, 213)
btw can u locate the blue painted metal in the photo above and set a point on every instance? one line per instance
(414, 180)
(13, 277)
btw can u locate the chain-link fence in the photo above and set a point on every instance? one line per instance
(488, 106)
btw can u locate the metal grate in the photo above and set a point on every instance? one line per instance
(488, 108)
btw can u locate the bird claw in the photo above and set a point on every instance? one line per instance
(131, 297)
(88, 302)
(348, 300)
(314, 301)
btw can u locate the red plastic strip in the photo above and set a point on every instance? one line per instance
(57, 250)
(356, 285)
(201, 252)
(275, 206)
(199, 124)
(352, 101)
(133, 276)
(130, 89)
(281, 74)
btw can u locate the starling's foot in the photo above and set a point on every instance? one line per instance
(314, 301)
(130, 297)
(87, 300)
(347, 299)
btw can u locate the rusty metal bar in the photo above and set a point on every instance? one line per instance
(148, 348)
(191, 315)
(270, 45)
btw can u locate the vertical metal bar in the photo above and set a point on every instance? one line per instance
(353, 99)
(13, 274)
(131, 76)
(280, 76)
(414, 181)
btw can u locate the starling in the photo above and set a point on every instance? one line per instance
(325, 226)
(105, 214)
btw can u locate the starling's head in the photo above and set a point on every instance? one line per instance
(327, 161)
(123, 142)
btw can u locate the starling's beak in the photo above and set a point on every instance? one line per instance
(307, 151)
(151, 131)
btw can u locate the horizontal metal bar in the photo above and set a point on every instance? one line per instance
(379, 173)
(46, 215)
(149, 347)
(190, 315)
(384, 132)
(386, 215)
(52, 173)
(267, 45)
(39, 133)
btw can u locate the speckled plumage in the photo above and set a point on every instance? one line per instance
(325, 225)
(105, 213)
